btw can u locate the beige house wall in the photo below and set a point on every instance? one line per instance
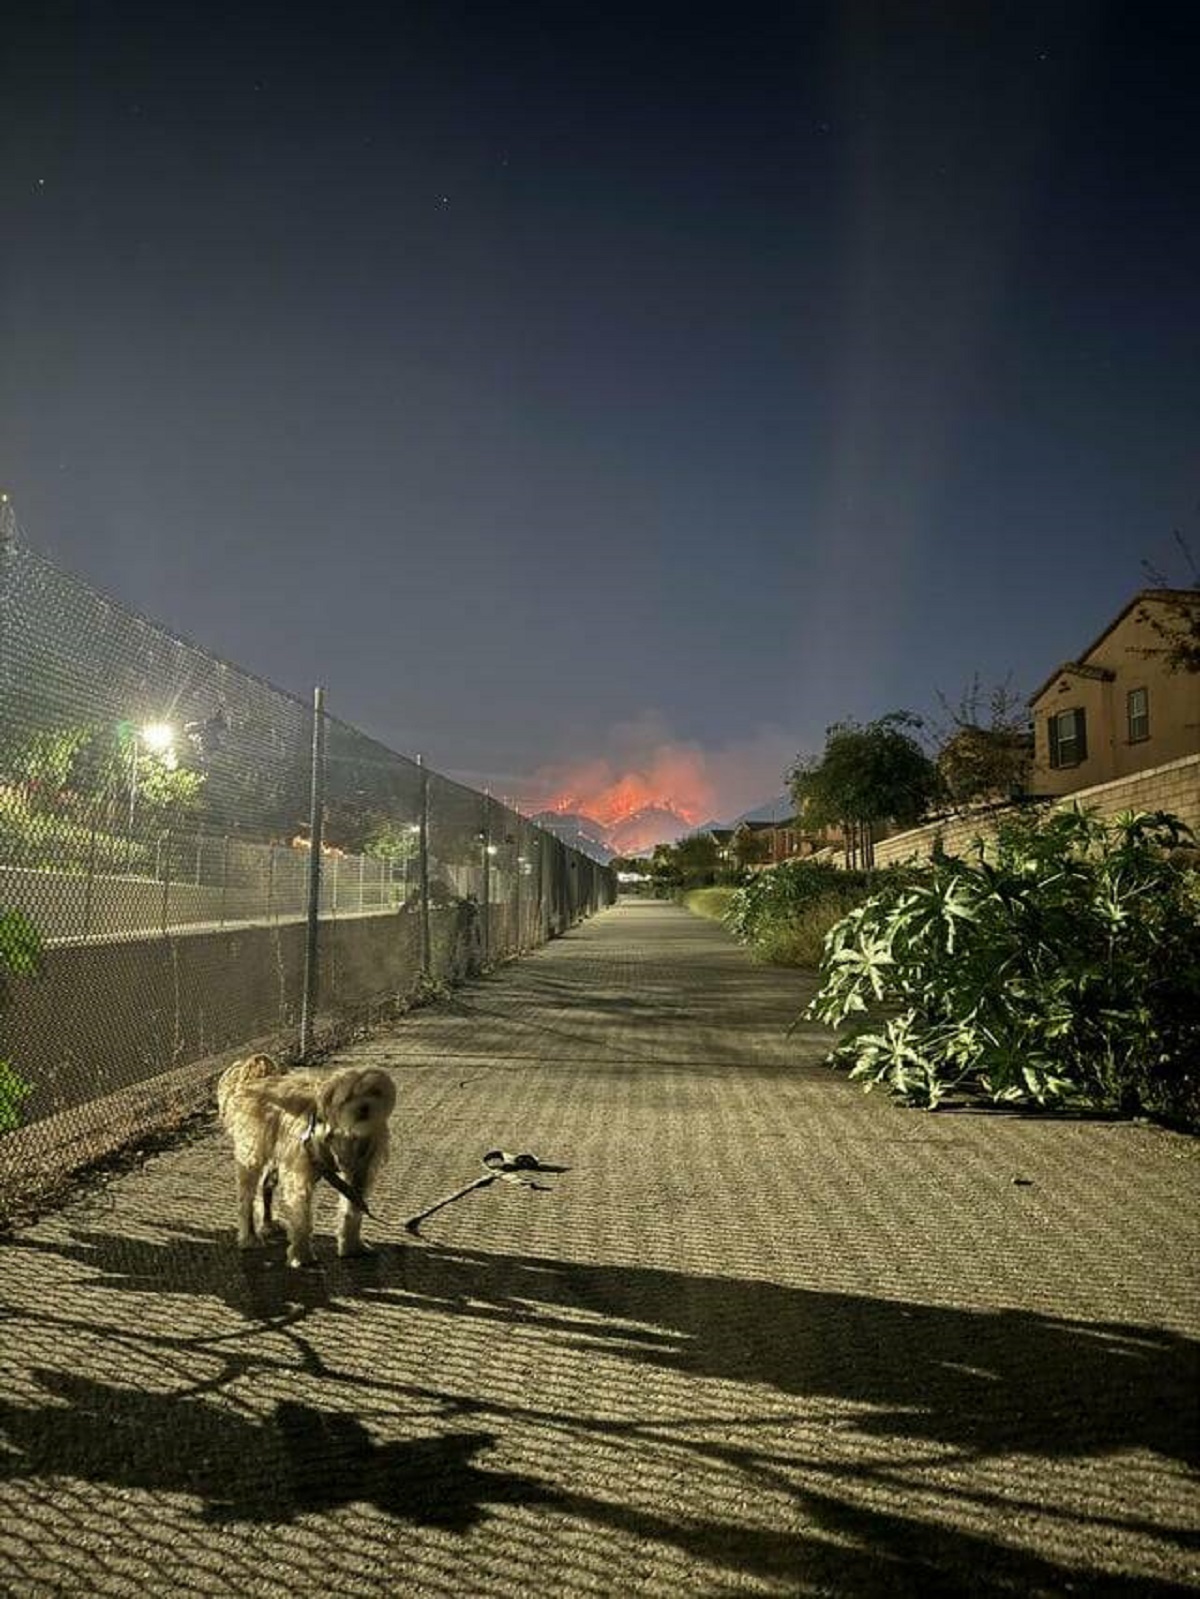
(1174, 705)
(1173, 787)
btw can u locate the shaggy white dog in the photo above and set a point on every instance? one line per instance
(292, 1128)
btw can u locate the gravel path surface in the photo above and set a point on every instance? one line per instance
(766, 1335)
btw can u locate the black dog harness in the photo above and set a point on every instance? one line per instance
(317, 1144)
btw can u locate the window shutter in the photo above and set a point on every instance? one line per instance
(1081, 735)
(1052, 732)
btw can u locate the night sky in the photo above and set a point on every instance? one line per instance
(564, 384)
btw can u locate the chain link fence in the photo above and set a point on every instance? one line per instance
(159, 908)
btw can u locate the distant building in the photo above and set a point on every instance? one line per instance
(1116, 709)
(765, 843)
(722, 837)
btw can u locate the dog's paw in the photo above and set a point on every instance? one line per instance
(354, 1251)
(302, 1262)
(248, 1240)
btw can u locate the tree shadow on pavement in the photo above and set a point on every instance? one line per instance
(300, 1461)
(297, 1460)
(978, 1383)
(257, 1283)
(985, 1382)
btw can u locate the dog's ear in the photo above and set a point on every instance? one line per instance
(378, 1087)
(331, 1095)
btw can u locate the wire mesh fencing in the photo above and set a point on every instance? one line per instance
(160, 906)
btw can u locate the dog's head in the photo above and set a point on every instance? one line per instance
(356, 1101)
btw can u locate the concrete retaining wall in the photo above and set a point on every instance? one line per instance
(1174, 787)
(104, 1014)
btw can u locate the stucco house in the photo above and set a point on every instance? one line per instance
(775, 842)
(1117, 709)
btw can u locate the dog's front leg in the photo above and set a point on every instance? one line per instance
(300, 1249)
(297, 1196)
(349, 1230)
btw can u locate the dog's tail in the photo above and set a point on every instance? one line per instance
(254, 1069)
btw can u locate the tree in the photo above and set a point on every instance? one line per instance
(99, 775)
(1176, 619)
(750, 847)
(664, 868)
(691, 863)
(697, 859)
(866, 775)
(389, 840)
(984, 757)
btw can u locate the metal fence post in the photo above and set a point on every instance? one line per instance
(224, 878)
(316, 817)
(520, 867)
(486, 908)
(423, 866)
(8, 537)
(89, 889)
(165, 864)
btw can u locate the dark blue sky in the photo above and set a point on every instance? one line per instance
(527, 374)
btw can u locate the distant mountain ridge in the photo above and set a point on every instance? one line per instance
(781, 809)
(641, 831)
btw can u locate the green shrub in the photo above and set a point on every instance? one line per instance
(64, 844)
(785, 912)
(778, 895)
(709, 902)
(1064, 972)
(20, 955)
(800, 940)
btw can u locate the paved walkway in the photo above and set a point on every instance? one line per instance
(767, 1335)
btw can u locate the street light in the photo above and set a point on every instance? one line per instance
(159, 739)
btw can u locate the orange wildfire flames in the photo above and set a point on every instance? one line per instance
(646, 770)
(672, 781)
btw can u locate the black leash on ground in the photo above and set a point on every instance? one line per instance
(498, 1163)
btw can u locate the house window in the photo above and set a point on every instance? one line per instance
(1068, 738)
(1138, 709)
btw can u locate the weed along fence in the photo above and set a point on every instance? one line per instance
(192, 861)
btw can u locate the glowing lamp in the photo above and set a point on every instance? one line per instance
(158, 737)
